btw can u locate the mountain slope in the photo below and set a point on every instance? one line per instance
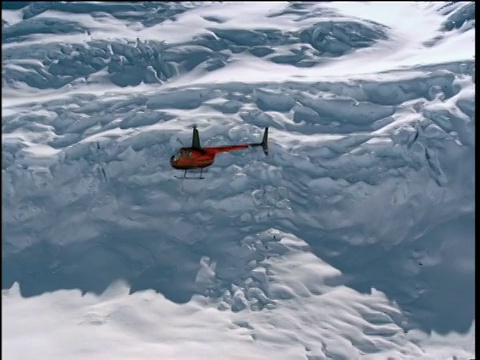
(353, 239)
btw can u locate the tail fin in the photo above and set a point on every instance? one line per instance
(264, 142)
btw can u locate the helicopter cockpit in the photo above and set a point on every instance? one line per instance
(181, 154)
(178, 155)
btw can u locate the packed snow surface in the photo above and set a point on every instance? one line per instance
(353, 239)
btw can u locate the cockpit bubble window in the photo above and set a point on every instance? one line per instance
(178, 155)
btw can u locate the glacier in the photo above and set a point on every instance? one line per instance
(353, 239)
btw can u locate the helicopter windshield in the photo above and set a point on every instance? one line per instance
(178, 155)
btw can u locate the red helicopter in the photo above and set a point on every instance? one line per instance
(197, 158)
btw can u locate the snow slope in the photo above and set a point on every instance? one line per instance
(354, 239)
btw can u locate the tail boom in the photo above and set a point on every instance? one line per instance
(228, 148)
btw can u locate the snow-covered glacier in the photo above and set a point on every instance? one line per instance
(353, 239)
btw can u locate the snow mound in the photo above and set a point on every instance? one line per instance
(292, 286)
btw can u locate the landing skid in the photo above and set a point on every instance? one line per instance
(191, 178)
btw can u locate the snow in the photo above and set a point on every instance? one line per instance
(353, 239)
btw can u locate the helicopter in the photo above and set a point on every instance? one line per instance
(196, 158)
